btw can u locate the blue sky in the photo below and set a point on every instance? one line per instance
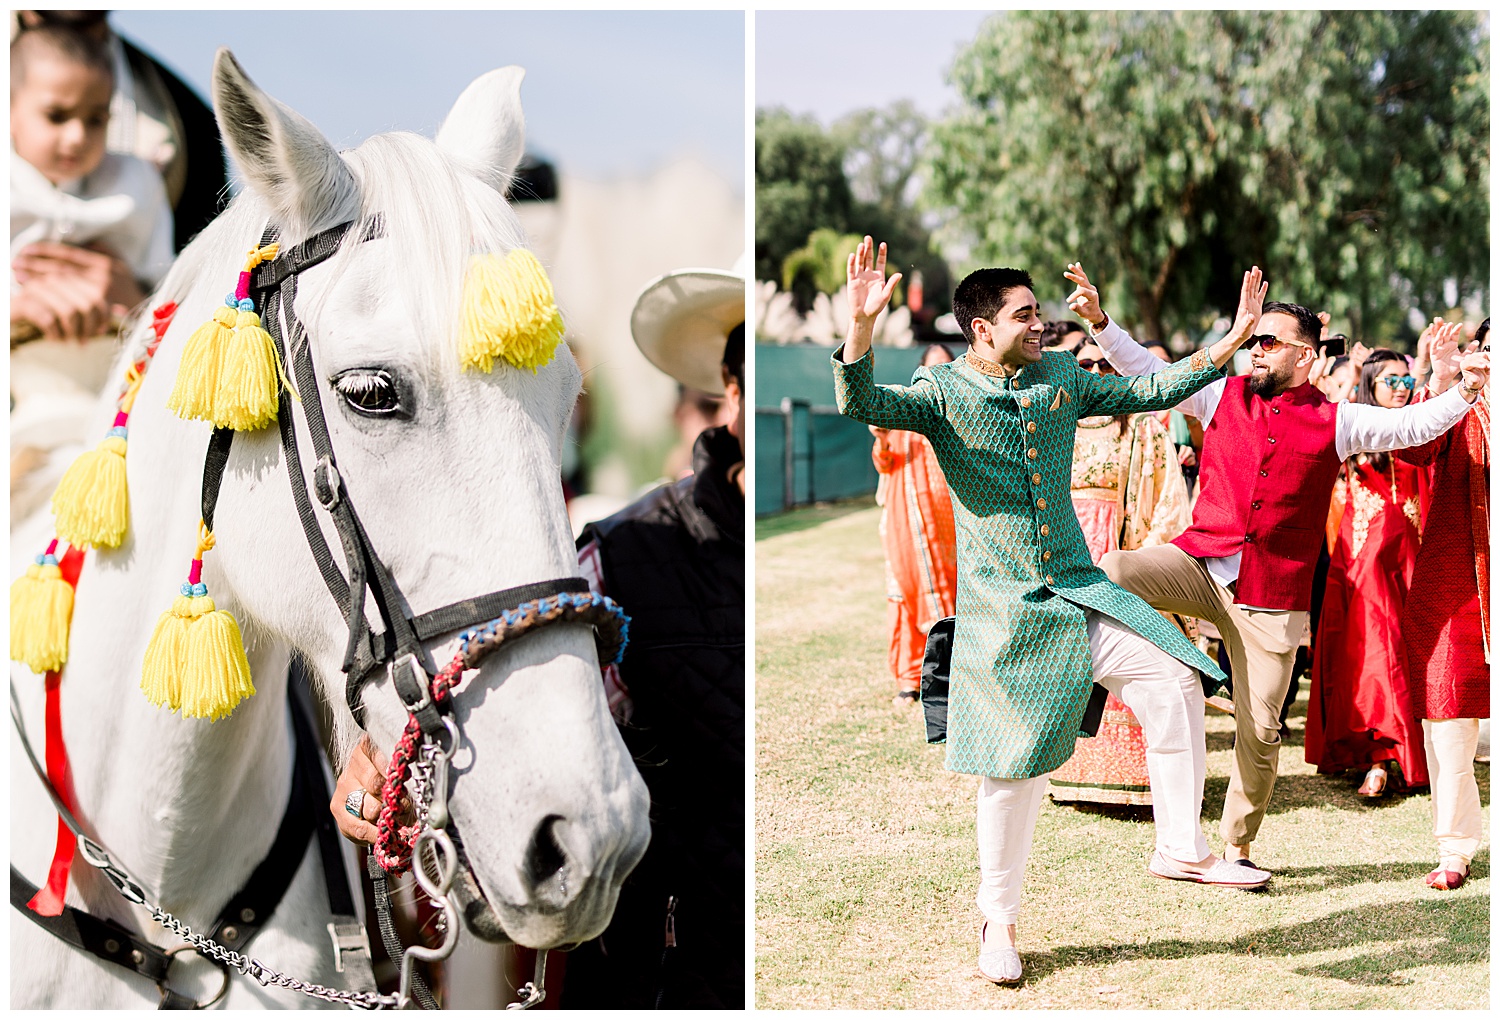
(607, 93)
(829, 63)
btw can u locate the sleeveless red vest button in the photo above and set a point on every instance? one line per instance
(1290, 505)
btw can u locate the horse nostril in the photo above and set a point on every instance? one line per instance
(545, 857)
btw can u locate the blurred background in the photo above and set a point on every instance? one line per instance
(1346, 153)
(635, 132)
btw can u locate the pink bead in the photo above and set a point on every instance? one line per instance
(195, 572)
(242, 289)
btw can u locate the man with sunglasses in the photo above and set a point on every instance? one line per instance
(1272, 448)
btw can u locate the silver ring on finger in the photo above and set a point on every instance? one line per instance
(355, 804)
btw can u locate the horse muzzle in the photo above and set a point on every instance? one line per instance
(562, 894)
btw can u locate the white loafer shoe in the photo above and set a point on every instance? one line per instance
(1002, 965)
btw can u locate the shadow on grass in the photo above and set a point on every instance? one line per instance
(1461, 924)
(809, 517)
(1335, 875)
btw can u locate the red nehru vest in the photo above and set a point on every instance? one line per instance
(1267, 478)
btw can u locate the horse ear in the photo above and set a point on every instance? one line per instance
(486, 129)
(285, 160)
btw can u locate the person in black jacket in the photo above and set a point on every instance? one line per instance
(675, 561)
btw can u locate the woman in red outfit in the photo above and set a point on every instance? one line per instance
(1447, 618)
(1360, 713)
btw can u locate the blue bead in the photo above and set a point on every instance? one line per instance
(246, 305)
(41, 560)
(48, 560)
(231, 300)
(119, 430)
(186, 589)
(200, 589)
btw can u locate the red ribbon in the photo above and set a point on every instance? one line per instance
(48, 900)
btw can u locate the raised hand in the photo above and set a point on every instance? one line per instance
(1320, 366)
(1359, 354)
(869, 293)
(1476, 371)
(869, 290)
(1444, 341)
(1084, 301)
(1252, 298)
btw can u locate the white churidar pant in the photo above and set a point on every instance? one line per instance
(1167, 698)
(1457, 818)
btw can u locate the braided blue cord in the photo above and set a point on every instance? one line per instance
(542, 606)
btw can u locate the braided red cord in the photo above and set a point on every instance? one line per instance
(394, 847)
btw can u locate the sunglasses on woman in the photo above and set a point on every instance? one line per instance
(1270, 343)
(1398, 382)
(1087, 364)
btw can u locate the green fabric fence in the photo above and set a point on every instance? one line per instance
(805, 451)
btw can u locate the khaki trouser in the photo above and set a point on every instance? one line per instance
(1262, 649)
(1457, 818)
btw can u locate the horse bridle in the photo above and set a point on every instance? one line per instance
(488, 620)
(400, 642)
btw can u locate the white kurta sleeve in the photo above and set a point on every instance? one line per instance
(1130, 358)
(1369, 428)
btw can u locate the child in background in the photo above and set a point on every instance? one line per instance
(90, 234)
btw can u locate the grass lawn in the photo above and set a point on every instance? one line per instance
(865, 866)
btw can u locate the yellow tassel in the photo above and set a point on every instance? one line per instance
(217, 676)
(248, 377)
(92, 502)
(166, 655)
(509, 312)
(196, 662)
(198, 375)
(41, 608)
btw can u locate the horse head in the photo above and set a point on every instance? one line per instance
(455, 473)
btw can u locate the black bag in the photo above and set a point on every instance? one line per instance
(935, 678)
(935, 664)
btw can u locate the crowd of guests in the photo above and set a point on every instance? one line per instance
(1397, 645)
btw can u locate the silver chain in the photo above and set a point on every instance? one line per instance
(253, 968)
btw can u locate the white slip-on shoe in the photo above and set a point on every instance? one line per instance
(1002, 965)
(1233, 874)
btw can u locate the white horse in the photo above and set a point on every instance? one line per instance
(458, 488)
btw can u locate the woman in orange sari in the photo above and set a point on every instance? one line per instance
(1129, 493)
(921, 554)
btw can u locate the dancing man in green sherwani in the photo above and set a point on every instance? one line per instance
(1038, 623)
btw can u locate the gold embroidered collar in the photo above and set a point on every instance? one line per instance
(986, 367)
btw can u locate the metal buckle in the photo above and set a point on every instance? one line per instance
(327, 484)
(347, 938)
(409, 664)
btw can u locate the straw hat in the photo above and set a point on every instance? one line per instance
(682, 320)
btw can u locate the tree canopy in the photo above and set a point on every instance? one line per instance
(815, 187)
(1346, 153)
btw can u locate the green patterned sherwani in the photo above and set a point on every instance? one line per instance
(1021, 671)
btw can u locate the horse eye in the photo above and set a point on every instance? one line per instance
(370, 392)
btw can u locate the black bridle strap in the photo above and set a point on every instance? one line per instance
(97, 936)
(274, 285)
(250, 908)
(486, 607)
